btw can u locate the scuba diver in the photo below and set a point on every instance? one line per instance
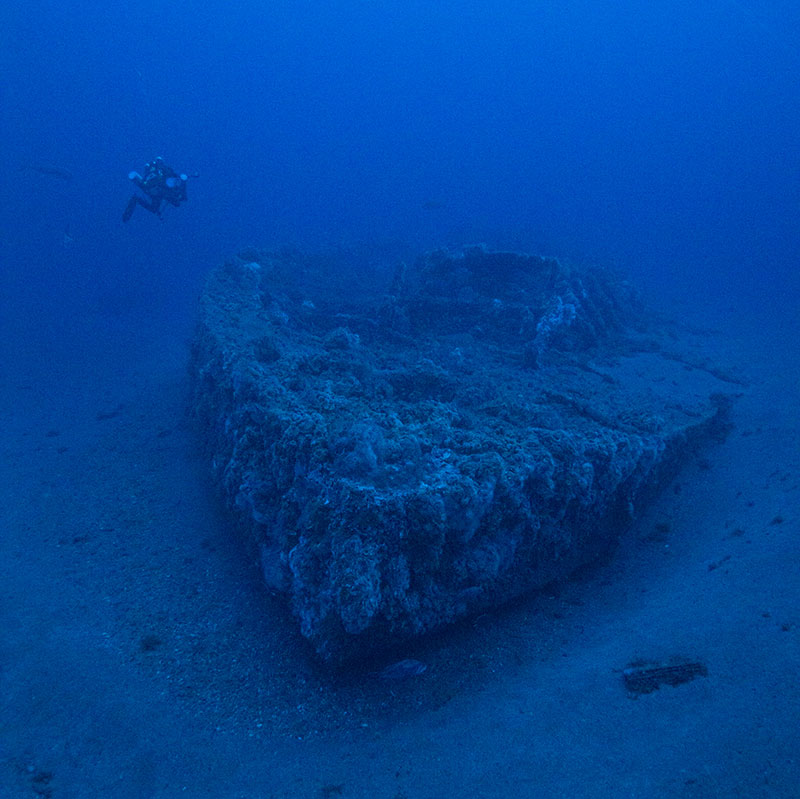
(160, 184)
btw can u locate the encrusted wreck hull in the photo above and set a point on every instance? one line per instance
(486, 424)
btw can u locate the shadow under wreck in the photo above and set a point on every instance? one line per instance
(406, 446)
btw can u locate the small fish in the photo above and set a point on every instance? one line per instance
(48, 169)
(433, 205)
(68, 239)
(403, 669)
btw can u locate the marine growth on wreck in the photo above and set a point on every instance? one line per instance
(404, 445)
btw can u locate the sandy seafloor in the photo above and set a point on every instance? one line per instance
(141, 657)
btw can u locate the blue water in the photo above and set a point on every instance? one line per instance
(660, 137)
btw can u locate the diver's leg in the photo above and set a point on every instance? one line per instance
(153, 204)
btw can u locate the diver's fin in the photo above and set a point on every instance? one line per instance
(129, 209)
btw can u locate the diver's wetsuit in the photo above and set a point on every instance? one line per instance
(160, 184)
